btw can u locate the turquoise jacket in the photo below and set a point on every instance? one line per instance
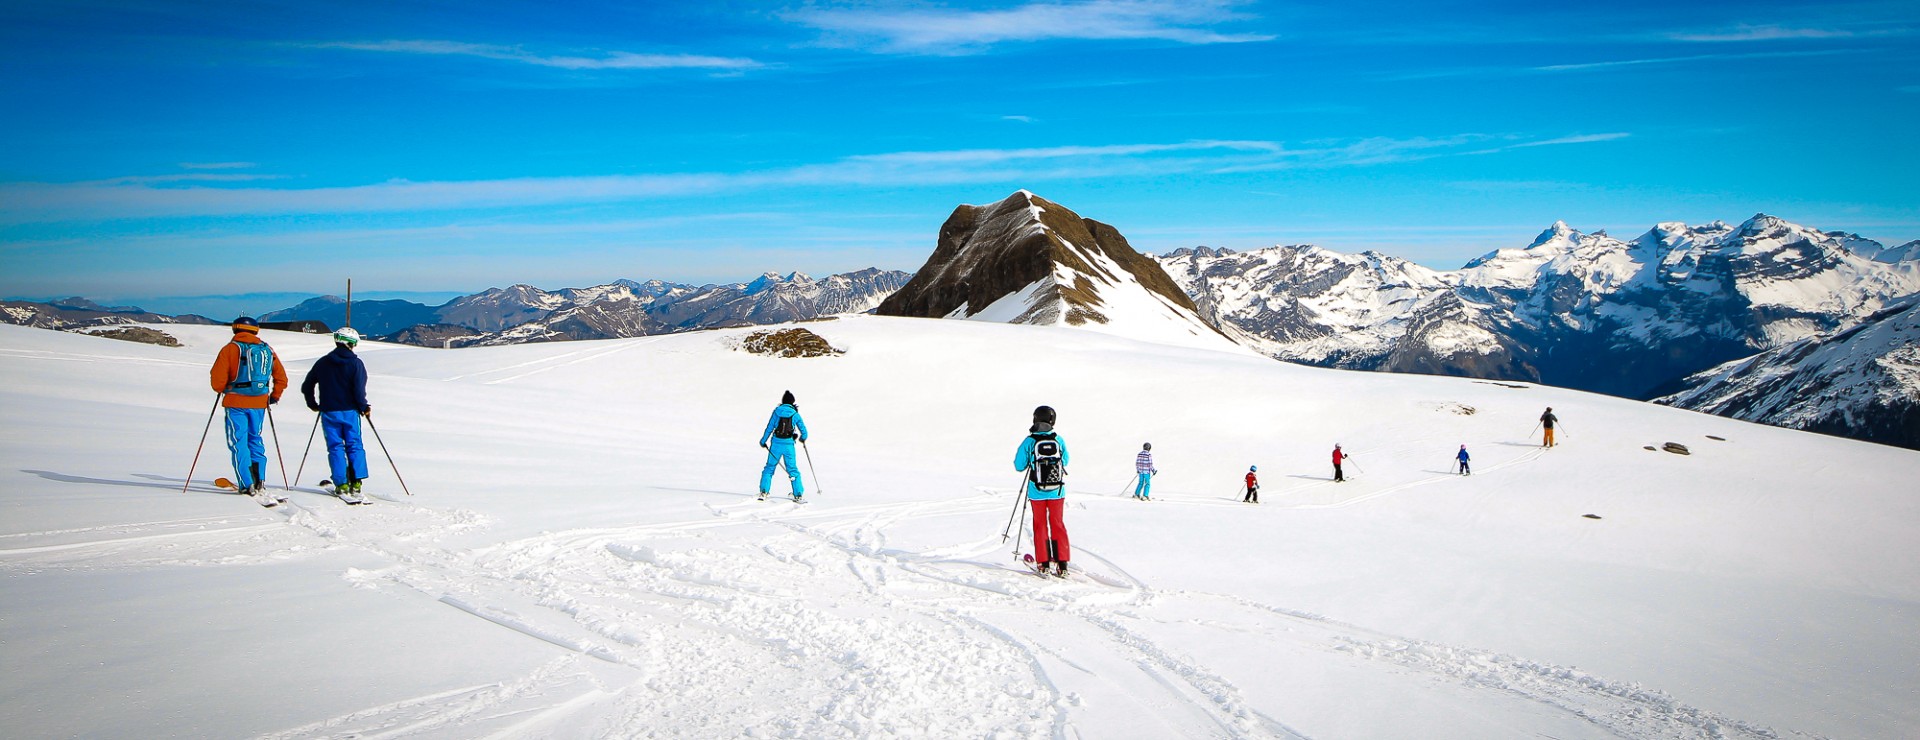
(780, 412)
(1024, 458)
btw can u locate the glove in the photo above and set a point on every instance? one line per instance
(763, 446)
(274, 401)
(314, 407)
(803, 440)
(366, 410)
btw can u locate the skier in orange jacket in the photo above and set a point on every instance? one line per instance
(249, 377)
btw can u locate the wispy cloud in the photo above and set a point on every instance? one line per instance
(1613, 64)
(1911, 89)
(166, 196)
(1580, 139)
(1021, 119)
(948, 31)
(217, 165)
(616, 60)
(1747, 32)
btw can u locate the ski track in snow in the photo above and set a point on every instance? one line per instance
(823, 629)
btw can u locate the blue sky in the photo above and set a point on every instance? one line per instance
(205, 148)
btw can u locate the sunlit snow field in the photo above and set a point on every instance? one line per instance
(583, 555)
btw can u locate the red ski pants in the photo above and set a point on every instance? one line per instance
(1050, 525)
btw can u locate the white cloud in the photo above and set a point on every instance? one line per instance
(1590, 66)
(924, 30)
(1021, 119)
(168, 196)
(607, 60)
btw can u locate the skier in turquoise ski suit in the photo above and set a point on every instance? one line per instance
(1050, 545)
(780, 451)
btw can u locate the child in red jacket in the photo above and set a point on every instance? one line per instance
(1253, 486)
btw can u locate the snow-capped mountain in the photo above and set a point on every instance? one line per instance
(1863, 382)
(1573, 309)
(1028, 260)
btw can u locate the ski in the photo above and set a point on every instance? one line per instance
(348, 497)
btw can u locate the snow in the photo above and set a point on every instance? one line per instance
(584, 556)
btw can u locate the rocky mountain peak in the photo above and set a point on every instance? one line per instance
(1559, 231)
(1027, 260)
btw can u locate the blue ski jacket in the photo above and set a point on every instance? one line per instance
(1462, 457)
(1024, 458)
(341, 378)
(781, 412)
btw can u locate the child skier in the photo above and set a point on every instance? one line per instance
(249, 377)
(1253, 486)
(1043, 456)
(341, 379)
(1466, 467)
(1338, 456)
(783, 427)
(1143, 466)
(1546, 422)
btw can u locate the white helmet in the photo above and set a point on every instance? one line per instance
(347, 336)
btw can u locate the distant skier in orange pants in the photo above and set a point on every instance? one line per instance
(1546, 422)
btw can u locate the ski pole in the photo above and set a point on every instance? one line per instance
(1356, 465)
(383, 451)
(1019, 541)
(1021, 495)
(284, 485)
(203, 440)
(304, 450)
(810, 471)
(1536, 427)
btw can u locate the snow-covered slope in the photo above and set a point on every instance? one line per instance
(1863, 382)
(583, 556)
(1573, 309)
(1028, 260)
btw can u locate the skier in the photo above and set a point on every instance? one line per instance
(249, 377)
(341, 379)
(1466, 467)
(1253, 486)
(783, 427)
(1043, 456)
(1546, 421)
(1338, 477)
(1143, 465)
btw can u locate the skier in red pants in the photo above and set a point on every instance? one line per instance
(1043, 455)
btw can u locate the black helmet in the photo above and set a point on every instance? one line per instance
(1044, 415)
(1148, 446)
(787, 398)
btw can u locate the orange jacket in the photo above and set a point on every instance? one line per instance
(227, 367)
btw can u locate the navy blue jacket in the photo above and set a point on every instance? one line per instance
(341, 379)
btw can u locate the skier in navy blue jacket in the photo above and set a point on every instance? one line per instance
(783, 427)
(341, 379)
(1043, 455)
(1465, 467)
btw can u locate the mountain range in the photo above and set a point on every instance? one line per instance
(1765, 320)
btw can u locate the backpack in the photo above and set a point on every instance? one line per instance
(784, 428)
(1046, 471)
(254, 377)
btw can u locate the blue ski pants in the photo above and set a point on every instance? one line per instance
(781, 454)
(1145, 485)
(344, 449)
(244, 441)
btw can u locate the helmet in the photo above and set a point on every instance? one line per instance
(1044, 415)
(1253, 468)
(347, 336)
(246, 323)
(1148, 446)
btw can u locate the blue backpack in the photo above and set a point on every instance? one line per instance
(255, 376)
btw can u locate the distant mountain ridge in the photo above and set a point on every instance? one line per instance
(623, 308)
(1571, 309)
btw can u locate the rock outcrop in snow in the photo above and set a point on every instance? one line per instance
(1027, 260)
